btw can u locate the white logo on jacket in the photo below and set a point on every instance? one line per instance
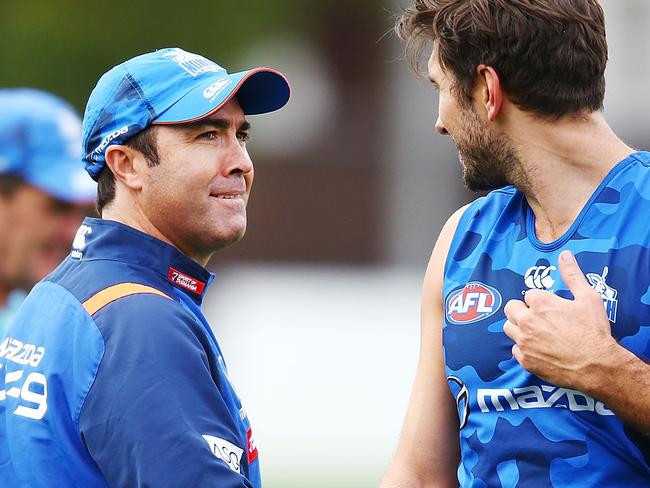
(79, 243)
(226, 451)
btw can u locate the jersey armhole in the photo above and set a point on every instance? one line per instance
(463, 222)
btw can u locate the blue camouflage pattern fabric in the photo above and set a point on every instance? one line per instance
(516, 429)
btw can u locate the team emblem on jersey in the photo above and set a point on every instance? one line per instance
(471, 303)
(606, 292)
(539, 277)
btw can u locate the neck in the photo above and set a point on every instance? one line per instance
(130, 214)
(563, 163)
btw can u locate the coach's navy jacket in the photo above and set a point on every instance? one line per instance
(111, 376)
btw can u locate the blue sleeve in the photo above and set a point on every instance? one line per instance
(154, 415)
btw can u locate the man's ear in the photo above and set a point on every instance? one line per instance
(127, 164)
(490, 93)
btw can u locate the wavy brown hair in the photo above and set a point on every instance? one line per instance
(550, 55)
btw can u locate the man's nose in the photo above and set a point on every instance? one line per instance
(440, 128)
(239, 161)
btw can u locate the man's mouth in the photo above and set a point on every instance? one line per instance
(228, 196)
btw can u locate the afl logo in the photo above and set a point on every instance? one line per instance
(475, 301)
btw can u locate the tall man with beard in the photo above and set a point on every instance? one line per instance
(535, 305)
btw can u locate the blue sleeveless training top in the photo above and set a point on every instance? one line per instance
(516, 429)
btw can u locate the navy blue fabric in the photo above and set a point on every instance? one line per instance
(518, 430)
(137, 395)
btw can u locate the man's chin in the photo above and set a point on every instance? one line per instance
(478, 184)
(224, 240)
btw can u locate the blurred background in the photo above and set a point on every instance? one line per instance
(317, 309)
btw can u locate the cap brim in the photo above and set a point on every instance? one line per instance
(259, 90)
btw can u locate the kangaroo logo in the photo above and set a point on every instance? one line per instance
(606, 292)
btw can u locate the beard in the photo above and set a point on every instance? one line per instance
(489, 160)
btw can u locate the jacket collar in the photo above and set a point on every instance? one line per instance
(108, 239)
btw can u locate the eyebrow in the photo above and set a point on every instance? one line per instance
(217, 124)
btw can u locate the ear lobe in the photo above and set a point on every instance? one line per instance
(492, 92)
(126, 166)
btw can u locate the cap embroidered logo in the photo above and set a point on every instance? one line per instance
(216, 88)
(193, 63)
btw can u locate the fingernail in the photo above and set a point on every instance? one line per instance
(567, 257)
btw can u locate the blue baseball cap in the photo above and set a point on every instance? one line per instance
(40, 141)
(169, 86)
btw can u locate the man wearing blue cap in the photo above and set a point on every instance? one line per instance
(44, 192)
(115, 377)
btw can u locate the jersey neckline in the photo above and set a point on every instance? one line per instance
(560, 241)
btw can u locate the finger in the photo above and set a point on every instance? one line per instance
(516, 353)
(511, 330)
(514, 310)
(572, 275)
(535, 298)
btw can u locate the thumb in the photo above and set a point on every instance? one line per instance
(572, 274)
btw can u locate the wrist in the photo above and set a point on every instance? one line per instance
(602, 377)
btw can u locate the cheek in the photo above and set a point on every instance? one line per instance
(249, 177)
(446, 106)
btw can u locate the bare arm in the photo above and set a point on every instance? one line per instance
(428, 450)
(569, 343)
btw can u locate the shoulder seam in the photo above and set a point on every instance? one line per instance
(112, 293)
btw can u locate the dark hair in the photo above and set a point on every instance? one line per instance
(145, 142)
(550, 55)
(9, 183)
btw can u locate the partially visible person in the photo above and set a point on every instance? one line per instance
(534, 353)
(44, 193)
(115, 377)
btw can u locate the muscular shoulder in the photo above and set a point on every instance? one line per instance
(436, 265)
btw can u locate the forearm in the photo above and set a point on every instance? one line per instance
(621, 380)
(404, 475)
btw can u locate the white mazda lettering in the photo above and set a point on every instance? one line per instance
(498, 399)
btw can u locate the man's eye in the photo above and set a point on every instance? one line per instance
(243, 136)
(208, 136)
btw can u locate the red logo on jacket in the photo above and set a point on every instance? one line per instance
(251, 447)
(185, 281)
